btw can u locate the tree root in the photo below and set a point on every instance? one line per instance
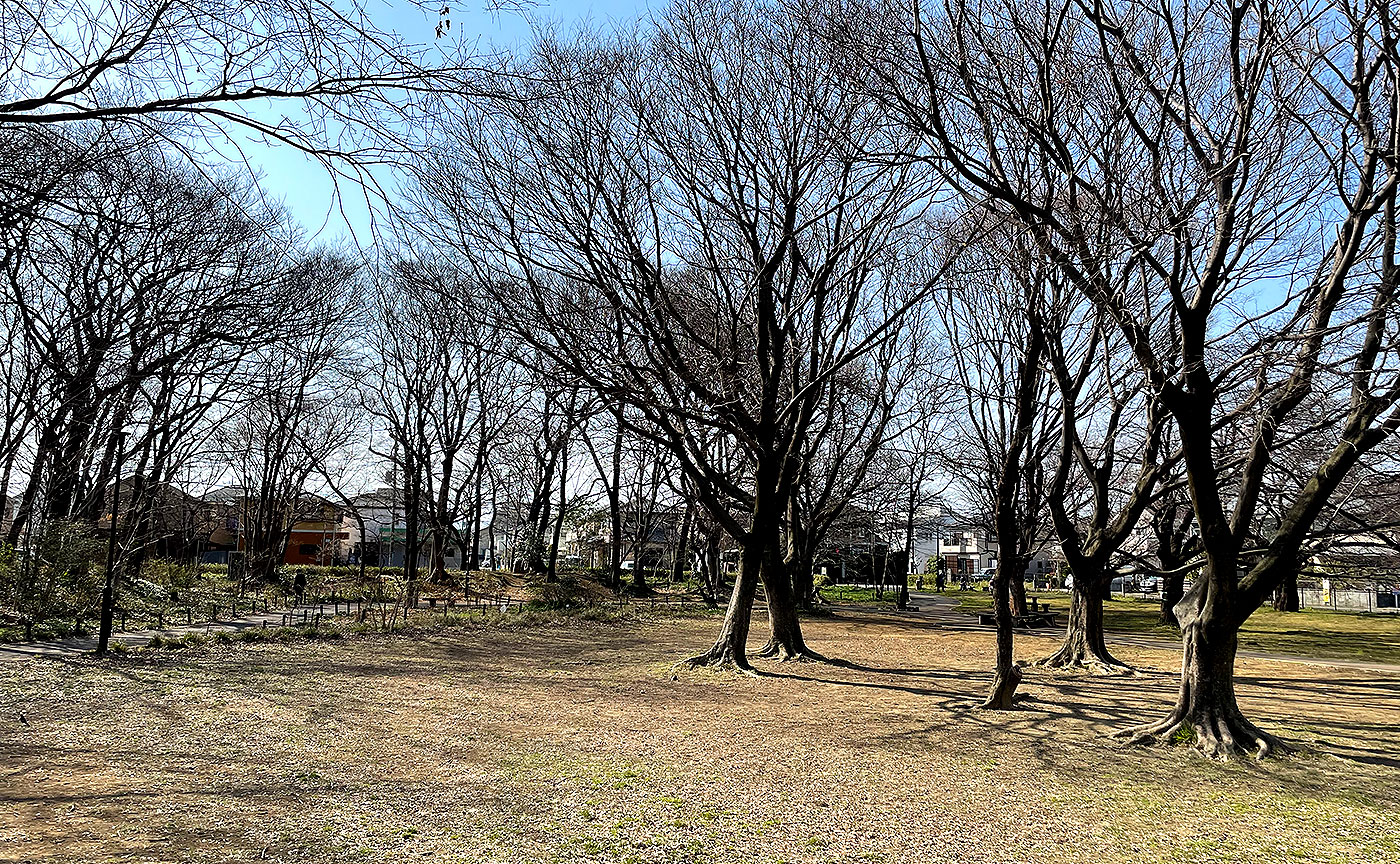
(717, 658)
(1217, 736)
(1090, 661)
(781, 653)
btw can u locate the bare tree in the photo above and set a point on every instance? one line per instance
(700, 242)
(1107, 417)
(994, 315)
(202, 75)
(292, 414)
(1170, 161)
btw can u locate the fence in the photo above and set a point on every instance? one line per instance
(1350, 599)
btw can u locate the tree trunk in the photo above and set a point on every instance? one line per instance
(551, 570)
(729, 649)
(411, 544)
(714, 568)
(1286, 597)
(1016, 584)
(797, 564)
(785, 640)
(1008, 676)
(1173, 587)
(1084, 646)
(615, 510)
(679, 560)
(1206, 713)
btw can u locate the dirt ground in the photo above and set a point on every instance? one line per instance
(575, 743)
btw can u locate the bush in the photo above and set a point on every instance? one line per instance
(566, 593)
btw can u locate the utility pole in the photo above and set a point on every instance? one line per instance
(109, 587)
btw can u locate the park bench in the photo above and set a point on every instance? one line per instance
(1037, 615)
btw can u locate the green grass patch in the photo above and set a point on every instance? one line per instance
(1319, 633)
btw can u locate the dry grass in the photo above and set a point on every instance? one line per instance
(574, 743)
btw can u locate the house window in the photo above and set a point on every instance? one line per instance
(308, 549)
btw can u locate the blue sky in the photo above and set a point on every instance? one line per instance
(305, 187)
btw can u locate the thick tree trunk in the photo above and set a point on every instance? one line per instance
(1084, 646)
(785, 640)
(1206, 713)
(1173, 587)
(1286, 597)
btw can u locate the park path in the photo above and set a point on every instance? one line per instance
(944, 611)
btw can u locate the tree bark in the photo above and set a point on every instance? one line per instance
(1016, 583)
(729, 649)
(679, 560)
(615, 508)
(1286, 597)
(1008, 675)
(1173, 587)
(1206, 713)
(1084, 646)
(785, 640)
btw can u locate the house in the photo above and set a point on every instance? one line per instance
(971, 550)
(927, 540)
(591, 539)
(968, 550)
(383, 539)
(172, 524)
(317, 534)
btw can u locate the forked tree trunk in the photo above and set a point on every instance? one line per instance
(1084, 646)
(1206, 714)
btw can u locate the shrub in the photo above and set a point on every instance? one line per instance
(566, 593)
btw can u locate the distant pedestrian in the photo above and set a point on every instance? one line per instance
(940, 582)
